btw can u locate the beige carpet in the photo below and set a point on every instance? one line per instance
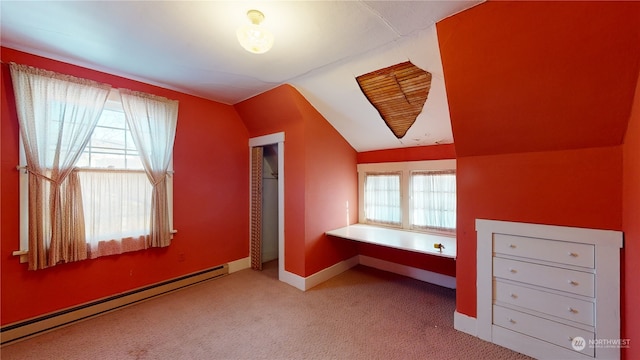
(361, 314)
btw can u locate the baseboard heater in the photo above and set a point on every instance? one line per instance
(28, 328)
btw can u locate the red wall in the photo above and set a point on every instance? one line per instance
(421, 261)
(540, 95)
(210, 205)
(320, 177)
(572, 188)
(415, 153)
(331, 183)
(273, 112)
(527, 76)
(631, 227)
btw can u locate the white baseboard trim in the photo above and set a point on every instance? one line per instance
(286, 277)
(306, 283)
(292, 279)
(326, 274)
(409, 271)
(239, 264)
(298, 281)
(465, 323)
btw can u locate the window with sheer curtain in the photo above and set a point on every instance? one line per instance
(116, 192)
(414, 195)
(96, 162)
(382, 198)
(433, 200)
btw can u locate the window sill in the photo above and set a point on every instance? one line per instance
(24, 255)
(399, 239)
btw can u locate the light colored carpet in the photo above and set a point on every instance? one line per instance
(361, 314)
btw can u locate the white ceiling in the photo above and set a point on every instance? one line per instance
(190, 46)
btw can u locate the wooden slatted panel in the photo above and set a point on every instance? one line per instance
(256, 207)
(398, 93)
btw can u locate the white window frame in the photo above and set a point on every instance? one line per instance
(113, 103)
(402, 212)
(405, 168)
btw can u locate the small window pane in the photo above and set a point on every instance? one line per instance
(134, 162)
(129, 141)
(382, 198)
(433, 200)
(108, 137)
(111, 145)
(101, 160)
(84, 160)
(110, 118)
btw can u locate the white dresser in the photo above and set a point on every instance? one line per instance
(550, 292)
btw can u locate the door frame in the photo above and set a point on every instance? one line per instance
(276, 138)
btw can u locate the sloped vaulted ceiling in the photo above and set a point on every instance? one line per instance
(191, 46)
(538, 76)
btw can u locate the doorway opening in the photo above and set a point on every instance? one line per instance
(270, 203)
(267, 204)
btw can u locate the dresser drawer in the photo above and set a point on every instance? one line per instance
(576, 282)
(549, 331)
(568, 253)
(556, 305)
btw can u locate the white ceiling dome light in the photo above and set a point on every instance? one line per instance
(253, 37)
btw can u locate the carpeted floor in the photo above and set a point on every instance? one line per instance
(361, 314)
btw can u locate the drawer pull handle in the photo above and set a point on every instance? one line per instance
(572, 254)
(574, 283)
(572, 310)
(513, 271)
(512, 321)
(512, 246)
(515, 296)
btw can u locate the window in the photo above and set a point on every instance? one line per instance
(116, 192)
(433, 200)
(57, 115)
(382, 198)
(419, 195)
(111, 145)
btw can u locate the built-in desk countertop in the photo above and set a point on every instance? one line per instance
(398, 239)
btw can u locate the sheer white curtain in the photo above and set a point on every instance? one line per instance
(57, 114)
(433, 200)
(117, 204)
(153, 121)
(382, 198)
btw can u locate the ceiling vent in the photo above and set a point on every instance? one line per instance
(398, 93)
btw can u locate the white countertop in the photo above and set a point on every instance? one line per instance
(398, 239)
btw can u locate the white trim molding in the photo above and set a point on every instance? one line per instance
(465, 323)
(267, 139)
(326, 274)
(404, 168)
(276, 138)
(409, 271)
(239, 264)
(541, 263)
(306, 283)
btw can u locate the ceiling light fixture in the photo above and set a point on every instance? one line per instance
(253, 37)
